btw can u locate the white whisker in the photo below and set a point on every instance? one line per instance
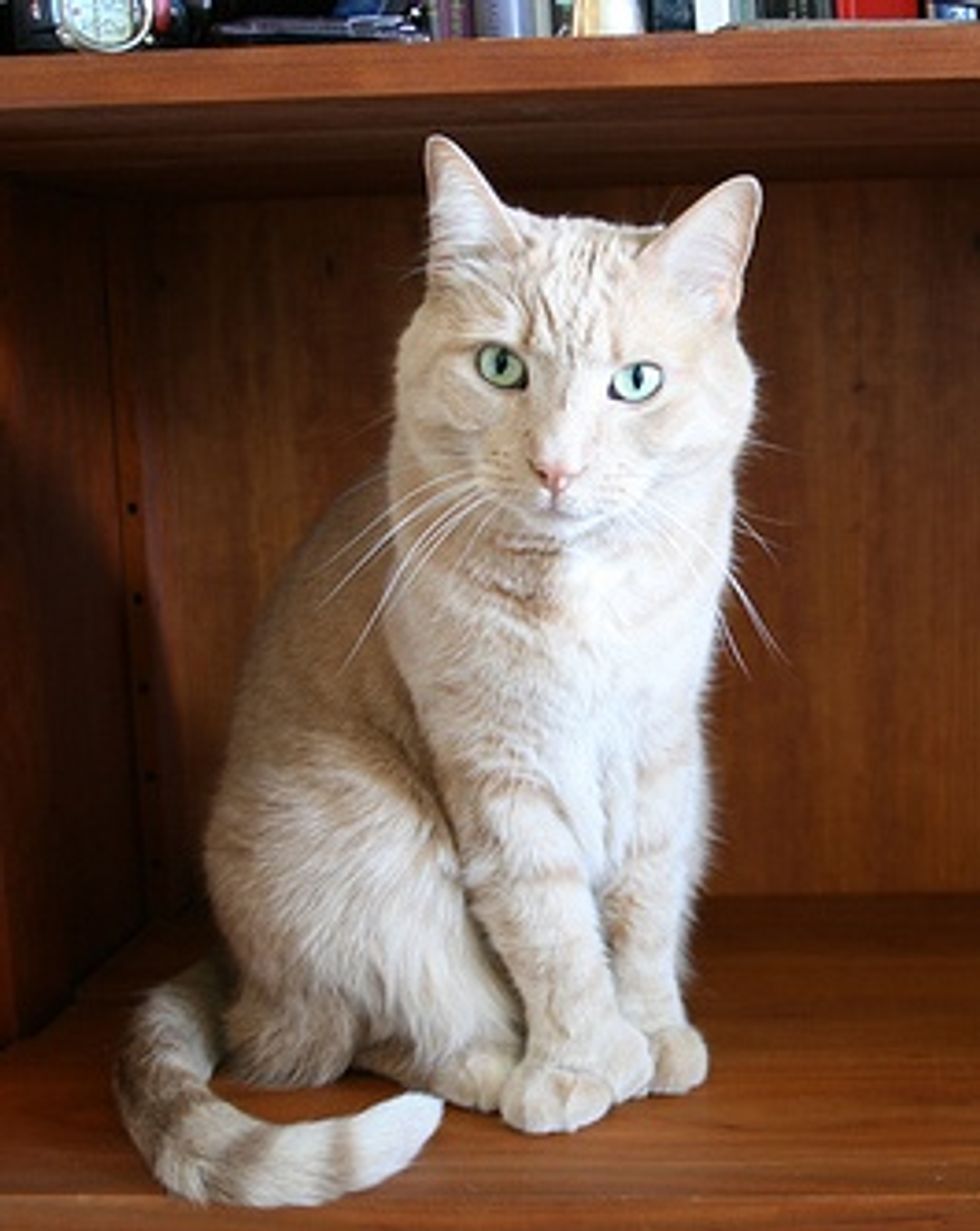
(732, 648)
(448, 527)
(454, 487)
(755, 618)
(417, 556)
(480, 527)
(744, 527)
(758, 623)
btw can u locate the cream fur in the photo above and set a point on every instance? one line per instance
(465, 805)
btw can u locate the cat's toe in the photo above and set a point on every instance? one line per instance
(626, 1062)
(475, 1078)
(680, 1060)
(545, 1099)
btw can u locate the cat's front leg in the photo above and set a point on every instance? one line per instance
(528, 888)
(645, 909)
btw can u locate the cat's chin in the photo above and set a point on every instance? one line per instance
(555, 527)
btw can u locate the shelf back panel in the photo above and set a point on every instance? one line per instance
(257, 342)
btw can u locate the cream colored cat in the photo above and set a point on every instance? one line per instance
(465, 804)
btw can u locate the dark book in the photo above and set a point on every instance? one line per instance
(941, 11)
(670, 15)
(796, 10)
(451, 18)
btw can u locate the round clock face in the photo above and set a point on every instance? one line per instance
(104, 25)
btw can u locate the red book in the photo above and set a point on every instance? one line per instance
(876, 10)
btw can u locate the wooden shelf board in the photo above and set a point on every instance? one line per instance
(848, 100)
(845, 1092)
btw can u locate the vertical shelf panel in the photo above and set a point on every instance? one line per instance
(852, 767)
(254, 345)
(69, 851)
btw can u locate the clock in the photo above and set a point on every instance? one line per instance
(102, 25)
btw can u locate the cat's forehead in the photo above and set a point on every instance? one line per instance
(574, 286)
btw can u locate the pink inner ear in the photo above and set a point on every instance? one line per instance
(706, 249)
(465, 211)
(728, 294)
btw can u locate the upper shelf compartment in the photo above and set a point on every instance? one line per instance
(842, 100)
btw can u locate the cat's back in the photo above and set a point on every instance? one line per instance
(317, 662)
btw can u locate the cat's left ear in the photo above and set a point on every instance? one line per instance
(707, 249)
(467, 219)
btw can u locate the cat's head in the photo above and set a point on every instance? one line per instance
(569, 369)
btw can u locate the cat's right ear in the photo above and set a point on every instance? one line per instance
(467, 220)
(706, 250)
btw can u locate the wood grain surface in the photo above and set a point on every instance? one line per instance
(69, 838)
(185, 382)
(254, 345)
(845, 1092)
(856, 99)
(852, 765)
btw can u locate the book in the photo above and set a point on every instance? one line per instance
(451, 18)
(711, 15)
(877, 10)
(751, 12)
(798, 10)
(670, 15)
(939, 10)
(505, 18)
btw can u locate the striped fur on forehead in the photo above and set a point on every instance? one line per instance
(575, 274)
(561, 292)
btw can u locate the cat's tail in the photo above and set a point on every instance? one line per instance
(203, 1148)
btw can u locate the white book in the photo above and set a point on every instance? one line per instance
(710, 15)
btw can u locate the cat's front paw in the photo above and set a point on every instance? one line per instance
(577, 1086)
(680, 1059)
(542, 1098)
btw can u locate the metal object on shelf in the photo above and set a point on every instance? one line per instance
(592, 17)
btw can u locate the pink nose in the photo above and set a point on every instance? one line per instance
(555, 476)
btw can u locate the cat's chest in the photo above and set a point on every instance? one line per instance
(605, 630)
(574, 605)
(570, 683)
(575, 642)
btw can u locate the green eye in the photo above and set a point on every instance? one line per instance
(637, 382)
(501, 367)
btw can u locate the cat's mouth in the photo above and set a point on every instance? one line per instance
(551, 514)
(562, 517)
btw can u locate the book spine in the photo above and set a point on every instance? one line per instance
(952, 12)
(600, 17)
(670, 15)
(711, 15)
(877, 10)
(452, 18)
(504, 18)
(561, 17)
(796, 10)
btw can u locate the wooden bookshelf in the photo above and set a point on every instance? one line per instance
(845, 1093)
(202, 276)
(858, 99)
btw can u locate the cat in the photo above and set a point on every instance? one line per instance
(465, 805)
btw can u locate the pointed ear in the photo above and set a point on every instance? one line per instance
(706, 250)
(466, 217)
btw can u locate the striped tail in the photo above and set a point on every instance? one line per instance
(203, 1148)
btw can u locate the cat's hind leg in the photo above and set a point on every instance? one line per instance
(352, 936)
(473, 1076)
(289, 1039)
(458, 1031)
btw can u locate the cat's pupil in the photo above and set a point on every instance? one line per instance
(637, 376)
(502, 362)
